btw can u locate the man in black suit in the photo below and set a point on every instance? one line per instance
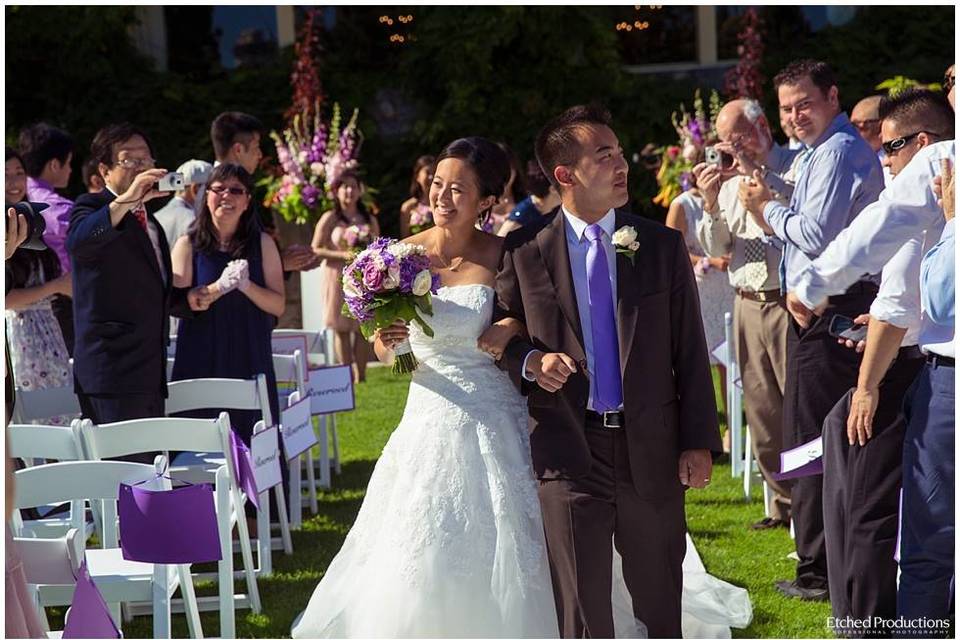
(122, 284)
(617, 377)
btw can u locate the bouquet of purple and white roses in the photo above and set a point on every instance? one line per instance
(386, 282)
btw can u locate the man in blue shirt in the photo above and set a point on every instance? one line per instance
(927, 515)
(837, 175)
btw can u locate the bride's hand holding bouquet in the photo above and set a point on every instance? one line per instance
(390, 281)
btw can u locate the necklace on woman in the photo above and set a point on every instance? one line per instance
(451, 265)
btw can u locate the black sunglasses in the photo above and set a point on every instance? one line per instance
(896, 144)
(948, 80)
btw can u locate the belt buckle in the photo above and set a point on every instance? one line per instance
(611, 419)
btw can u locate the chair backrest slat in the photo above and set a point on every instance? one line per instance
(220, 394)
(153, 434)
(43, 441)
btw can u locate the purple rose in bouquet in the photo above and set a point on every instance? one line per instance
(389, 281)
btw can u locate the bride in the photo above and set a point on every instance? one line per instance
(449, 540)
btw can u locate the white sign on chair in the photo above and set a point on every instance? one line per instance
(296, 429)
(330, 389)
(265, 455)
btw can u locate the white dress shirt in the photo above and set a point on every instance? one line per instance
(154, 236)
(577, 246)
(898, 301)
(906, 208)
(728, 231)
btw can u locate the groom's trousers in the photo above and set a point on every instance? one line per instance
(819, 372)
(584, 517)
(861, 499)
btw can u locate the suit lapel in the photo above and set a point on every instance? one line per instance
(627, 310)
(556, 260)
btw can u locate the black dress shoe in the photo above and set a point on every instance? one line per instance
(768, 523)
(790, 589)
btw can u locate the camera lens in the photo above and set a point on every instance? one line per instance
(36, 225)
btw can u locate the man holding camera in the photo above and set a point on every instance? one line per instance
(760, 317)
(838, 174)
(122, 284)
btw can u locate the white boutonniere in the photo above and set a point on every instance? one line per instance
(625, 242)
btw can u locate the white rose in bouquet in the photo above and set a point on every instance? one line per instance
(421, 284)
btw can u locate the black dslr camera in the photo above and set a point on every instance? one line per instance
(36, 225)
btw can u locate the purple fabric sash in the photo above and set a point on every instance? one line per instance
(89, 616)
(244, 467)
(178, 526)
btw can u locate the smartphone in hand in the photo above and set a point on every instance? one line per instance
(845, 328)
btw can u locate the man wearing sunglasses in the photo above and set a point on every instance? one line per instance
(863, 435)
(122, 285)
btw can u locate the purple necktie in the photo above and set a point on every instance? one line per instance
(607, 385)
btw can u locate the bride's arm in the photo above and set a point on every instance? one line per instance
(498, 335)
(387, 338)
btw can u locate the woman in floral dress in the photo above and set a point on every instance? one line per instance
(37, 350)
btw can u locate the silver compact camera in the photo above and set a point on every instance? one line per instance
(173, 181)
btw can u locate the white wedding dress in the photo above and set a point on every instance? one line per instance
(449, 539)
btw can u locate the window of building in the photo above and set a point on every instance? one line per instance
(247, 35)
(655, 34)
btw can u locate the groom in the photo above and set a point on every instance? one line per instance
(617, 379)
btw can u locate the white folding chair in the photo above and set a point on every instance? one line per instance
(290, 370)
(39, 405)
(118, 580)
(34, 443)
(192, 434)
(226, 394)
(50, 562)
(319, 353)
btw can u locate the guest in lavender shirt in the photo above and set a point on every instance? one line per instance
(47, 154)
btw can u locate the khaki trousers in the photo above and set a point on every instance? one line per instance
(761, 336)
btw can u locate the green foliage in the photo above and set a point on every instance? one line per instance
(898, 84)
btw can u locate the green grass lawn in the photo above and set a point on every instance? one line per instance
(718, 519)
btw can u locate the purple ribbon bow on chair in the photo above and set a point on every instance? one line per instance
(244, 467)
(89, 616)
(177, 526)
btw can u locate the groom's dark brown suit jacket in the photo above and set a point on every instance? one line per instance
(668, 391)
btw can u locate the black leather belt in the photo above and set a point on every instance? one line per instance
(770, 295)
(938, 360)
(607, 419)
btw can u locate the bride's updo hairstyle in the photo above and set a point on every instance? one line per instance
(490, 165)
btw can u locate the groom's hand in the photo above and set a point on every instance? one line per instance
(696, 467)
(551, 370)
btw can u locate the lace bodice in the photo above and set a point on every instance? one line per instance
(460, 314)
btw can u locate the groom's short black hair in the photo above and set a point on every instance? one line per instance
(557, 143)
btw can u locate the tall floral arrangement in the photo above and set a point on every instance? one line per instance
(695, 131)
(312, 155)
(745, 79)
(312, 152)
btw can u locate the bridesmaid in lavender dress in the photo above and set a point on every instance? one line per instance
(331, 241)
